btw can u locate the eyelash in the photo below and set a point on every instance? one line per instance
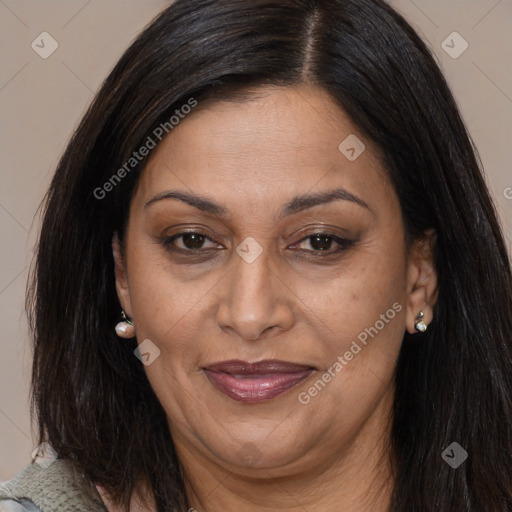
(343, 243)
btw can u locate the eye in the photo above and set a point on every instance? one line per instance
(323, 242)
(188, 241)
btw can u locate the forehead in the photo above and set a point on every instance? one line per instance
(281, 141)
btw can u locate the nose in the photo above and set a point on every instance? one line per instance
(255, 300)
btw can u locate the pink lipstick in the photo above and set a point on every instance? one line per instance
(255, 382)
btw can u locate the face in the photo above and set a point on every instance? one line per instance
(253, 238)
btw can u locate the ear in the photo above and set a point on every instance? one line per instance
(421, 280)
(122, 288)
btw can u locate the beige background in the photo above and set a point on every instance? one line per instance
(41, 101)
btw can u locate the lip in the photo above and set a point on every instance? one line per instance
(255, 382)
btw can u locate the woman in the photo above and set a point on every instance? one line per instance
(270, 276)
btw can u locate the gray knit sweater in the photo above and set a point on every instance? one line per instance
(56, 488)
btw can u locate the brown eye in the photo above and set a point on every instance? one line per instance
(193, 240)
(188, 241)
(323, 242)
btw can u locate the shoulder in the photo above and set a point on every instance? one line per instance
(22, 505)
(56, 487)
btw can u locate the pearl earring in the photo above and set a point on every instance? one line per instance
(420, 325)
(125, 329)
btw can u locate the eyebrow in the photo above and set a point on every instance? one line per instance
(296, 205)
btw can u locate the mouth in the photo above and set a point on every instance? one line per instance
(256, 382)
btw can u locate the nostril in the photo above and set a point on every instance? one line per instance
(268, 329)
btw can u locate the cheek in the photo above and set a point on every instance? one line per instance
(168, 310)
(358, 321)
(354, 297)
(359, 328)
